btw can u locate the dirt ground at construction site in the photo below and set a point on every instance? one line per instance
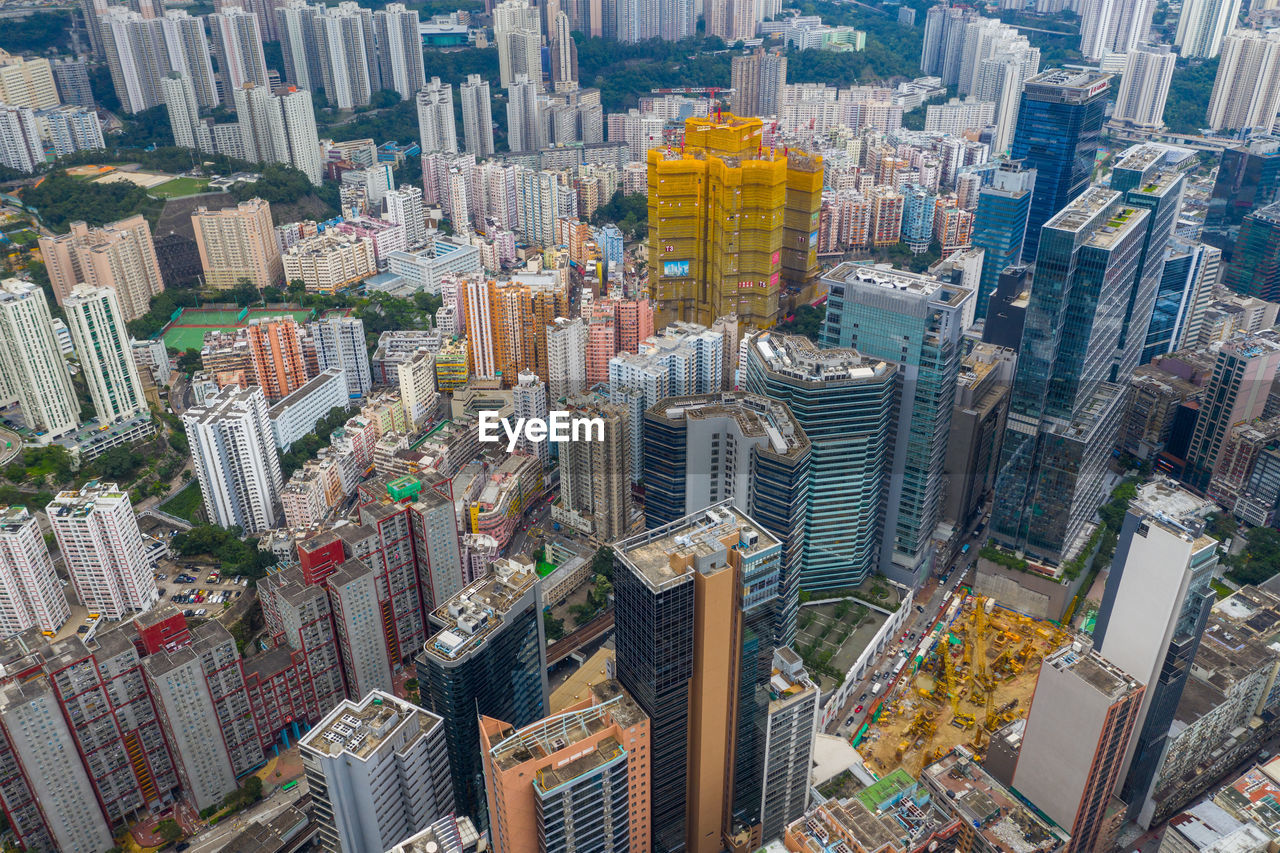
(978, 676)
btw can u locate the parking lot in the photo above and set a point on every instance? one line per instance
(193, 587)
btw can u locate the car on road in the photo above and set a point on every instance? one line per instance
(862, 698)
(849, 722)
(919, 608)
(857, 710)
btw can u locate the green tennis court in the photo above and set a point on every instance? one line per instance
(188, 330)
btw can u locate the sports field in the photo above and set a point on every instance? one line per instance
(179, 187)
(188, 330)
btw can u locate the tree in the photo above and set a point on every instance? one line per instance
(245, 293)
(253, 788)
(552, 626)
(189, 361)
(169, 830)
(118, 464)
(1260, 559)
(61, 199)
(279, 184)
(1185, 110)
(806, 321)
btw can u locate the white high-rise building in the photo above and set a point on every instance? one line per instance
(732, 20)
(477, 117)
(541, 199)
(399, 49)
(566, 357)
(30, 593)
(296, 26)
(347, 55)
(279, 128)
(142, 50)
(529, 400)
(300, 131)
(184, 112)
(517, 29)
(404, 207)
(235, 459)
(237, 42)
(1113, 26)
(340, 343)
(31, 360)
(1246, 92)
(101, 545)
(102, 345)
(1203, 24)
(378, 770)
(20, 146)
(526, 129)
(1144, 88)
(564, 55)
(70, 129)
(436, 128)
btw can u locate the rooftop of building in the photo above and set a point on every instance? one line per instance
(991, 808)
(478, 610)
(81, 503)
(1166, 497)
(560, 733)
(1093, 669)
(886, 277)
(1255, 796)
(356, 729)
(273, 835)
(669, 553)
(755, 416)
(796, 357)
(439, 837)
(1069, 84)
(228, 401)
(13, 518)
(307, 389)
(1253, 344)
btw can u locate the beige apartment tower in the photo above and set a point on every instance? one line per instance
(238, 242)
(576, 780)
(119, 255)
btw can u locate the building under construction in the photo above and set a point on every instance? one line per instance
(974, 673)
(731, 223)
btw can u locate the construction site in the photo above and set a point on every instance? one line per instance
(974, 673)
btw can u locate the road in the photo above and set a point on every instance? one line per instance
(10, 445)
(931, 600)
(539, 518)
(214, 839)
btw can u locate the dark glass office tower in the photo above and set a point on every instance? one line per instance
(1065, 405)
(1151, 178)
(1000, 225)
(693, 609)
(705, 448)
(1058, 134)
(845, 402)
(1255, 269)
(1248, 179)
(1190, 271)
(489, 657)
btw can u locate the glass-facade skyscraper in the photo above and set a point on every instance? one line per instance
(1248, 179)
(916, 321)
(693, 609)
(1255, 268)
(1186, 284)
(1058, 134)
(488, 657)
(1066, 402)
(704, 448)
(845, 403)
(1152, 178)
(1000, 225)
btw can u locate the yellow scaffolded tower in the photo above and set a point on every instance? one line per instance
(730, 223)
